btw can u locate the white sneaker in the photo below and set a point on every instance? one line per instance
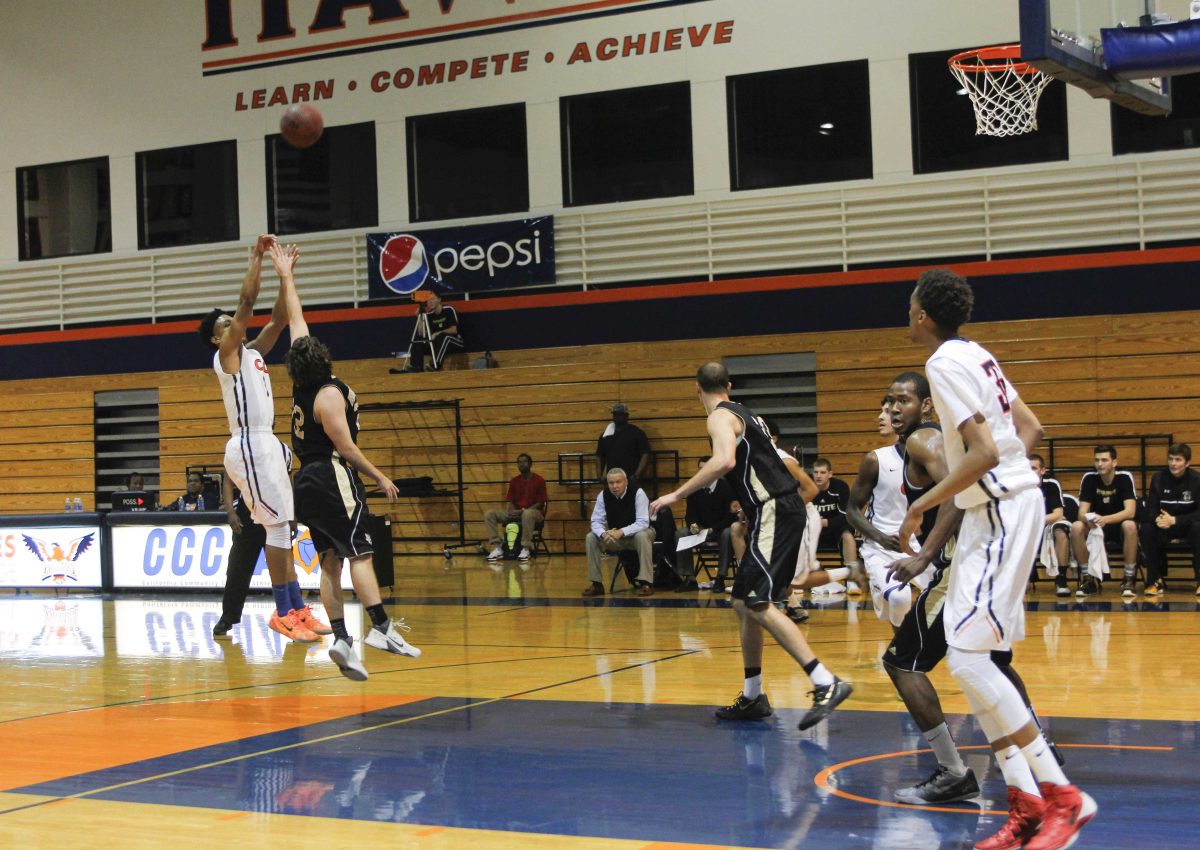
(342, 654)
(391, 640)
(496, 554)
(523, 555)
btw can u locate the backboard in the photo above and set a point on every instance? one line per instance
(1063, 38)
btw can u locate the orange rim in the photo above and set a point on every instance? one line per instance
(1003, 57)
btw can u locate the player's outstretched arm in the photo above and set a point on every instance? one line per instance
(329, 408)
(269, 335)
(231, 340)
(285, 259)
(722, 430)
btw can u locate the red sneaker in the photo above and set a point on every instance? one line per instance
(289, 627)
(1024, 817)
(305, 617)
(1068, 810)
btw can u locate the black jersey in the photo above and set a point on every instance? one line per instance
(309, 440)
(1052, 494)
(833, 500)
(1107, 499)
(912, 492)
(758, 475)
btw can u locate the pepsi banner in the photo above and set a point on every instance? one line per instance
(502, 255)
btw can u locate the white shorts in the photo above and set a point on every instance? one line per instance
(258, 464)
(985, 601)
(877, 560)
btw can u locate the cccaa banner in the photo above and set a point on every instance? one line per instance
(196, 556)
(503, 255)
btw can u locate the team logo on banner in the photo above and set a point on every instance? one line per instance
(403, 266)
(57, 560)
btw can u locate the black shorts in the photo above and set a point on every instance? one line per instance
(1113, 536)
(772, 551)
(831, 534)
(331, 501)
(920, 642)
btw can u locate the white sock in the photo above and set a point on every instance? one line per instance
(820, 676)
(753, 687)
(943, 747)
(838, 574)
(1016, 770)
(1042, 762)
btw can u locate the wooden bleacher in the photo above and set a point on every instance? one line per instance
(1103, 374)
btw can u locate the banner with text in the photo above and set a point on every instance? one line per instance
(501, 255)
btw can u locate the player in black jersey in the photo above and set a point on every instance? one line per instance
(744, 454)
(920, 641)
(329, 495)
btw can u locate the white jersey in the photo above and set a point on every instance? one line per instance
(888, 505)
(249, 402)
(966, 379)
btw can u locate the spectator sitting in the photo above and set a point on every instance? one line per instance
(621, 521)
(832, 497)
(1056, 538)
(1171, 508)
(711, 508)
(1107, 501)
(622, 446)
(193, 499)
(436, 335)
(135, 481)
(526, 504)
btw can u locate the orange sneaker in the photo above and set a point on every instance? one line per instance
(1024, 817)
(1068, 810)
(289, 627)
(308, 619)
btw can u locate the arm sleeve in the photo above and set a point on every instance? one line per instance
(1053, 497)
(642, 516)
(1154, 496)
(843, 494)
(1087, 489)
(539, 491)
(511, 495)
(1128, 489)
(693, 514)
(643, 444)
(955, 390)
(599, 517)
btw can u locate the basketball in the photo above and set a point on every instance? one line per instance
(301, 125)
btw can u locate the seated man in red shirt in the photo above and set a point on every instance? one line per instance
(526, 503)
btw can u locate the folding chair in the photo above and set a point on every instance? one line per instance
(539, 540)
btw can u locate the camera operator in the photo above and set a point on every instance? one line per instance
(436, 332)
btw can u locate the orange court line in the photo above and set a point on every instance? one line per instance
(41, 749)
(433, 830)
(821, 780)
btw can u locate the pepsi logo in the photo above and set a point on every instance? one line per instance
(403, 266)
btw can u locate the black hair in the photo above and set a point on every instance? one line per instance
(1039, 459)
(207, 324)
(1105, 447)
(525, 454)
(129, 479)
(920, 384)
(946, 297)
(823, 461)
(308, 362)
(1181, 449)
(713, 378)
(772, 426)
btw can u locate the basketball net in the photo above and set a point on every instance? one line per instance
(1003, 89)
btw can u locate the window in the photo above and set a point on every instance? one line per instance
(64, 209)
(627, 145)
(943, 123)
(800, 125)
(468, 163)
(1133, 132)
(330, 186)
(188, 195)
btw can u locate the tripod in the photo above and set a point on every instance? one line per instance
(420, 332)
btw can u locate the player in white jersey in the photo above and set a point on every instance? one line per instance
(880, 484)
(988, 432)
(255, 460)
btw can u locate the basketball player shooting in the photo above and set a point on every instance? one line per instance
(254, 458)
(988, 433)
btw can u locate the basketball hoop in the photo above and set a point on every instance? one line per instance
(1003, 89)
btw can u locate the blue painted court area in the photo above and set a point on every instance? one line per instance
(657, 773)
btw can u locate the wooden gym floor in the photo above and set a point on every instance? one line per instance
(537, 719)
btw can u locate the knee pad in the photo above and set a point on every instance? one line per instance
(989, 691)
(899, 600)
(279, 536)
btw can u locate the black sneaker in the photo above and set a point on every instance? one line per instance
(825, 700)
(718, 585)
(222, 628)
(1088, 587)
(744, 708)
(942, 787)
(797, 614)
(1127, 588)
(1060, 586)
